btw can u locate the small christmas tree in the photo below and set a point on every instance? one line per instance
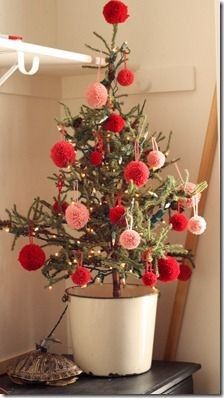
(110, 189)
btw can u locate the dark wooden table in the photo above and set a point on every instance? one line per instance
(172, 378)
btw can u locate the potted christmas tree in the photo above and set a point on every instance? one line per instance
(110, 220)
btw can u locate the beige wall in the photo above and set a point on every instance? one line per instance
(28, 107)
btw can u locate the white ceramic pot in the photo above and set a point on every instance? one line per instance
(112, 336)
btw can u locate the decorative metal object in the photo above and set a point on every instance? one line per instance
(40, 367)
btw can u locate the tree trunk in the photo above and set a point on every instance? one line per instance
(116, 284)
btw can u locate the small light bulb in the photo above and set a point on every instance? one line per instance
(91, 208)
(78, 242)
(68, 168)
(70, 263)
(6, 229)
(50, 287)
(56, 254)
(83, 175)
(36, 229)
(54, 236)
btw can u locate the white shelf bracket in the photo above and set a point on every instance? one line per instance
(7, 74)
(21, 64)
(21, 67)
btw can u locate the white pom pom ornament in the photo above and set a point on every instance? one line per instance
(196, 225)
(77, 215)
(96, 95)
(129, 239)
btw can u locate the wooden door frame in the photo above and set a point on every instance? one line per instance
(191, 242)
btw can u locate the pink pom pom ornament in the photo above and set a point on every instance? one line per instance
(156, 159)
(196, 225)
(129, 239)
(96, 95)
(77, 215)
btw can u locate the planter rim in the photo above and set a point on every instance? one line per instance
(152, 291)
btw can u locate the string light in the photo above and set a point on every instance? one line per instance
(68, 168)
(56, 254)
(6, 229)
(50, 287)
(70, 263)
(83, 175)
(78, 242)
(54, 236)
(36, 229)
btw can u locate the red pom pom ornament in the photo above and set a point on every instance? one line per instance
(179, 222)
(96, 95)
(31, 257)
(155, 159)
(63, 154)
(185, 273)
(81, 276)
(116, 215)
(189, 202)
(125, 77)
(114, 123)
(59, 207)
(96, 158)
(169, 269)
(77, 215)
(137, 172)
(149, 279)
(129, 239)
(115, 12)
(197, 225)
